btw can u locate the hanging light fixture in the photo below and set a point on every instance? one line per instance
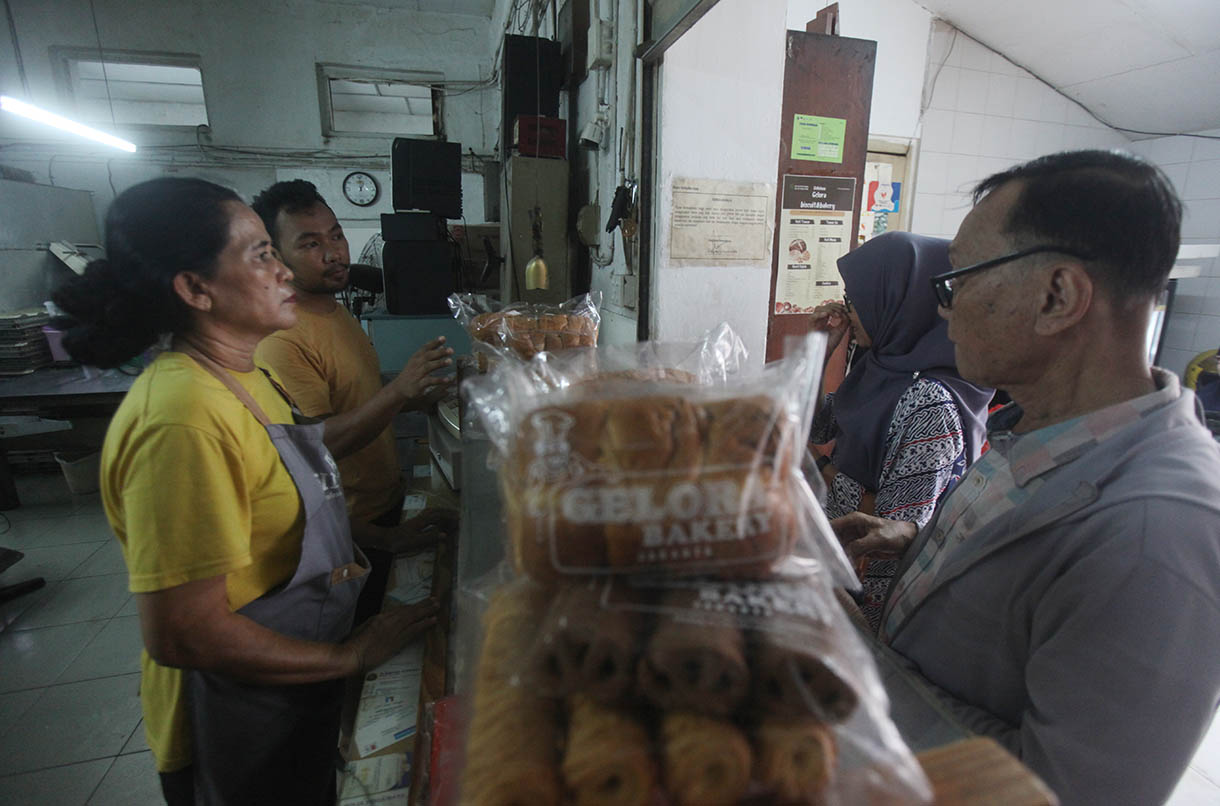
(51, 119)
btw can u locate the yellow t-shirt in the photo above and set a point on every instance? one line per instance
(194, 488)
(329, 366)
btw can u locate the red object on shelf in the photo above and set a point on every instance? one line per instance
(537, 136)
(445, 764)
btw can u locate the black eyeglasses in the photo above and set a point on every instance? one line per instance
(942, 284)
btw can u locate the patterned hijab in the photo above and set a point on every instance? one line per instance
(887, 280)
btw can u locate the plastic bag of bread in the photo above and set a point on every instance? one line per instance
(680, 691)
(653, 458)
(523, 330)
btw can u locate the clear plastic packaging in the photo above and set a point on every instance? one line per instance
(523, 330)
(657, 459)
(667, 632)
(680, 691)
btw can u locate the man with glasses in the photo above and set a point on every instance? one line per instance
(1065, 597)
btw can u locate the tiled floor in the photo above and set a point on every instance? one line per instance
(70, 731)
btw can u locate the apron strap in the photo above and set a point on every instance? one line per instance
(231, 383)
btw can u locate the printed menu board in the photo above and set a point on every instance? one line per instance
(814, 232)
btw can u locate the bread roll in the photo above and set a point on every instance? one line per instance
(529, 331)
(792, 676)
(694, 663)
(706, 761)
(512, 748)
(584, 648)
(795, 759)
(748, 431)
(509, 624)
(608, 760)
(653, 433)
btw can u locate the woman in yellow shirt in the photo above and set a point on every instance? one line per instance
(229, 513)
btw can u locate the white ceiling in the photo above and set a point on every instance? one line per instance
(1150, 65)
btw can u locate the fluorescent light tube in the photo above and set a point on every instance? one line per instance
(42, 116)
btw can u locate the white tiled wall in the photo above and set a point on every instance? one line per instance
(986, 114)
(1193, 164)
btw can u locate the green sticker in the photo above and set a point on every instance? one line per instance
(817, 138)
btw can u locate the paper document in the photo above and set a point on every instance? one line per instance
(411, 577)
(371, 776)
(389, 701)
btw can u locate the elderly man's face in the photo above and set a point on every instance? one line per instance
(991, 321)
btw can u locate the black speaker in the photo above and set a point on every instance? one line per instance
(418, 277)
(530, 79)
(427, 175)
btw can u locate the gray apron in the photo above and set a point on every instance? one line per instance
(264, 744)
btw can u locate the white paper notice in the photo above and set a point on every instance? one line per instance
(720, 223)
(371, 776)
(413, 504)
(411, 579)
(814, 232)
(389, 701)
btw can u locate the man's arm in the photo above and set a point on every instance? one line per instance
(345, 433)
(1124, 665)
(415, 387)
(1122, 672)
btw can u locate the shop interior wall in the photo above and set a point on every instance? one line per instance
(258, 63)
(721, 96)
(985, 114)
(900, 29)
(596, 172)
(615, 160)
(1193, 164)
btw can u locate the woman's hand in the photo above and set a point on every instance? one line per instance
(429, 527)
(831, 318)
(862, 535)
(417, 383)
(381, 637)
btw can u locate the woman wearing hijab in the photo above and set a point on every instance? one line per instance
(905, 424)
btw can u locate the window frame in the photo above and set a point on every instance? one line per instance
(433, 80)
(62, 69)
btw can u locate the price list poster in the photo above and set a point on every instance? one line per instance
(814, 232)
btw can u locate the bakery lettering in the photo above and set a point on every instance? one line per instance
(689, 513)
(759, 600)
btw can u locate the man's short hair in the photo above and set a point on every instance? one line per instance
(293, 196)
(1116, 207)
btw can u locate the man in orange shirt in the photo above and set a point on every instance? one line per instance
(329, 367)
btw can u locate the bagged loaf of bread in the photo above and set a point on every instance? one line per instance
(641, 483)
(612, 462)
(523, 330)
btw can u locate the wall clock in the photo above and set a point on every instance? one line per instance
(360, 188)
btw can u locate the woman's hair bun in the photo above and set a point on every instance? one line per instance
(123, 302)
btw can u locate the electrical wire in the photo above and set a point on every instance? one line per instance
(12, 32)
(102, 58)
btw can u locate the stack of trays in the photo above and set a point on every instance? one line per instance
(23, 345)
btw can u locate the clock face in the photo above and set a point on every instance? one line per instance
(360, 188)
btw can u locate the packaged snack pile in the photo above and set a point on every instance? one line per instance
(668, 633)
(523, 330)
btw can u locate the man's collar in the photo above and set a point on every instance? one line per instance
(1034, 453)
